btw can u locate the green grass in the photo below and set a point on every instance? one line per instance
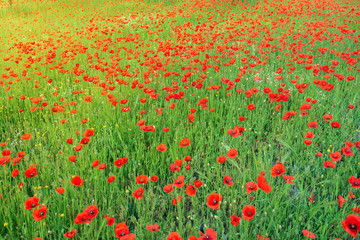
(67, 28)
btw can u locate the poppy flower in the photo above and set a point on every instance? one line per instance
(174, 236)
(185, 142)
(121, 230)
(251, 186)
(153, 228)
(138, 193)
(161, 148)
(335, 125)
(221, 159)
(313, 124)
(69, 140)
(77, 181)
(32, 202)
(179, 182)
(87, 99)
(262, 183)
(60, 190)
(210, 235)
(154, 178)
(213, 201)
(85, 141)
(248, 212)
(277, 170)
(329, 164)
(121, 161)
(351, 225)
(92, 211)
(95, 163)
(110, 220)
(235, 220)
(27, 136)
(347, 151)
(341, 200)
(88, 133)
(31, 172)
(228, 181)
(15, 172)
(82, 218)
(40, 214)
(141, 179)
(336, 156)
(308, 234)
(176, 200)
(232, 153)
(288, 179)
(251, 107)
(327, 117)
(197, 183)
(70, 234)
(190, 190)
(356, 210)
(111, 179)
(355, 182)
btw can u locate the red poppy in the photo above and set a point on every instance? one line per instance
(15, 172)
(88, 133)
(251, 186)
(121, 230)
(31, 172)
(138, 194)
(210, 235)
(248, 212)
(153, 228)
(85, 141)
(335, 125)
(327, 117)
(351, 225)
(27, 136)
(232, 153)
(111, 179)
(161, 148)
(77, 181)
(185, 142)
(176, 200)
(263, 184)
(221, 159)
(174, 236)
(308, 234)
(336, 156)
(70, 234)
(347, 151)
(82, 218)
(341, 200)
(288, 179)
(355, 182)
(110, 220)
(228, 181)
(329, 164)
(197, 183)
(179, 182)
(154, 178)
(40, 214)
(235, 220)
(95, 163)
(190, 190)
(251, 107)
(32, 202)
(121, 161)
(277, 170)
(141, 179)
(60, 190)
(313, 124)
(92, 211)
(213, 201)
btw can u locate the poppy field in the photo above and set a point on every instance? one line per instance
(179, 119)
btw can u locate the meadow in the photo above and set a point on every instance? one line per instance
(179, 119)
